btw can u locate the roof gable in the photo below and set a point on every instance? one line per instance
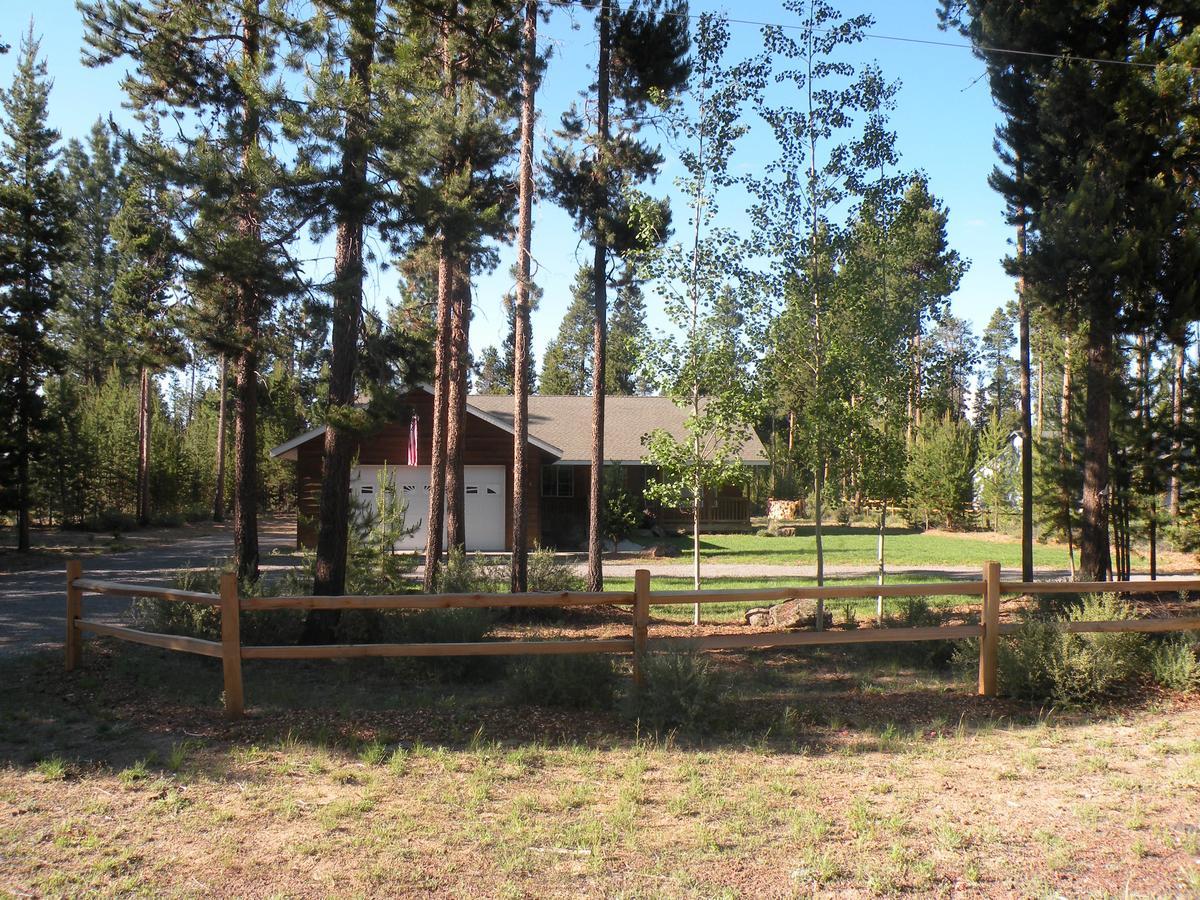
(289, 449)
(566, 422)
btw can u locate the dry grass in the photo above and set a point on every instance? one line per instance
(838, 773)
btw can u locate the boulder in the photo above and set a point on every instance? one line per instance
(788, 614)
(663, 551)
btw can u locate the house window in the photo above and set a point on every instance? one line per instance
(558, 481)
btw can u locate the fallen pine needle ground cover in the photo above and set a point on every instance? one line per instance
(830, 773)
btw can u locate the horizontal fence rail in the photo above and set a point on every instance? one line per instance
(231, 651)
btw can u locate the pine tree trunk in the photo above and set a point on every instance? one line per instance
(23, 450)
(1093, 532)
(1064, 443)
(1176, 489)
(456, 406)
(219, 491)
(248, 306)
(245, 462)
(520, 552)
(595, 574)
(441, 396)
(143, 460)
(882, 570)
(1026, 420)
(1041, 397)
(333, 526)
(818, 516)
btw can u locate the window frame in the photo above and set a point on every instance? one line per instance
(564, 476)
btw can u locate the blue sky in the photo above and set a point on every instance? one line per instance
(945, 120)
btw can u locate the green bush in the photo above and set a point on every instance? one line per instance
(1043, 662)
(1174, 664)
(680, 689)
(915, 612)
(464, 573)
(547, 573)
(583, 681)
(204, 621)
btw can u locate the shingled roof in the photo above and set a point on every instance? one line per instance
(566, 422)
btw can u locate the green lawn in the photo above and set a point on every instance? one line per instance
(855, 546)
(734, 612)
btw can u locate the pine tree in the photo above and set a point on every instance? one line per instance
(594, 171)
(214, 67)
(1092, 167)
(567, 364)
(145, 322)
(997, 368)
(33, 246)
(522, 363)
(94, 189)
(345, 122)
(466, 82)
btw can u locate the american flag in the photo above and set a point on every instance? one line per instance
(412, 440)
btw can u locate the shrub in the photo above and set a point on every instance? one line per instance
(548, 573)
(204, 621)
(584, 681)
(1174, 665)
(915, 612)
(1043, 662)
(680, 689)
(471, 574)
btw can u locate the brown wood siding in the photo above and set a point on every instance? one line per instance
(484, 445)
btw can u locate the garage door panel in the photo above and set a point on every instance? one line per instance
(484, 500)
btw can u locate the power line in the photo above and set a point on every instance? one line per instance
(874, 35)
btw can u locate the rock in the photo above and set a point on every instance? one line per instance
(663, 551)
(758, 616)
(629, 547)
(785, 531)
(788, 614)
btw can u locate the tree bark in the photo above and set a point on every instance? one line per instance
(347, 292)
(1026, 419)
(441, 391)
(1064, 443)
(219, 491)
(456, 407)
(882, 570)
(1093, 532)
(519, 578)
(1176, 489)
(248, 306)
(595, 575)
(143, 460)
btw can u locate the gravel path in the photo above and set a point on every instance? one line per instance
(32, 598)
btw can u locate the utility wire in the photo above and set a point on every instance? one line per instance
(874, 35)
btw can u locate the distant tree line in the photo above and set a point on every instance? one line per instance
(162, 327)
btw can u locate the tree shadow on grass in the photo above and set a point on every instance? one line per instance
(131, 705)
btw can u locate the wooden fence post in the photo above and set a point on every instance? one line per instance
(989, 643)
(231, 645)
(74, 613)
(641, 620)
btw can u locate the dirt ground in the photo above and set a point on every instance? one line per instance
(838, 773)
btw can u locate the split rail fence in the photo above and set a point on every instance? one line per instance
(231, 651)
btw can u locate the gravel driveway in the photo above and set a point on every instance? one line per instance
(32, 599)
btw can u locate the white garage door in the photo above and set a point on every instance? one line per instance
(484, 501)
